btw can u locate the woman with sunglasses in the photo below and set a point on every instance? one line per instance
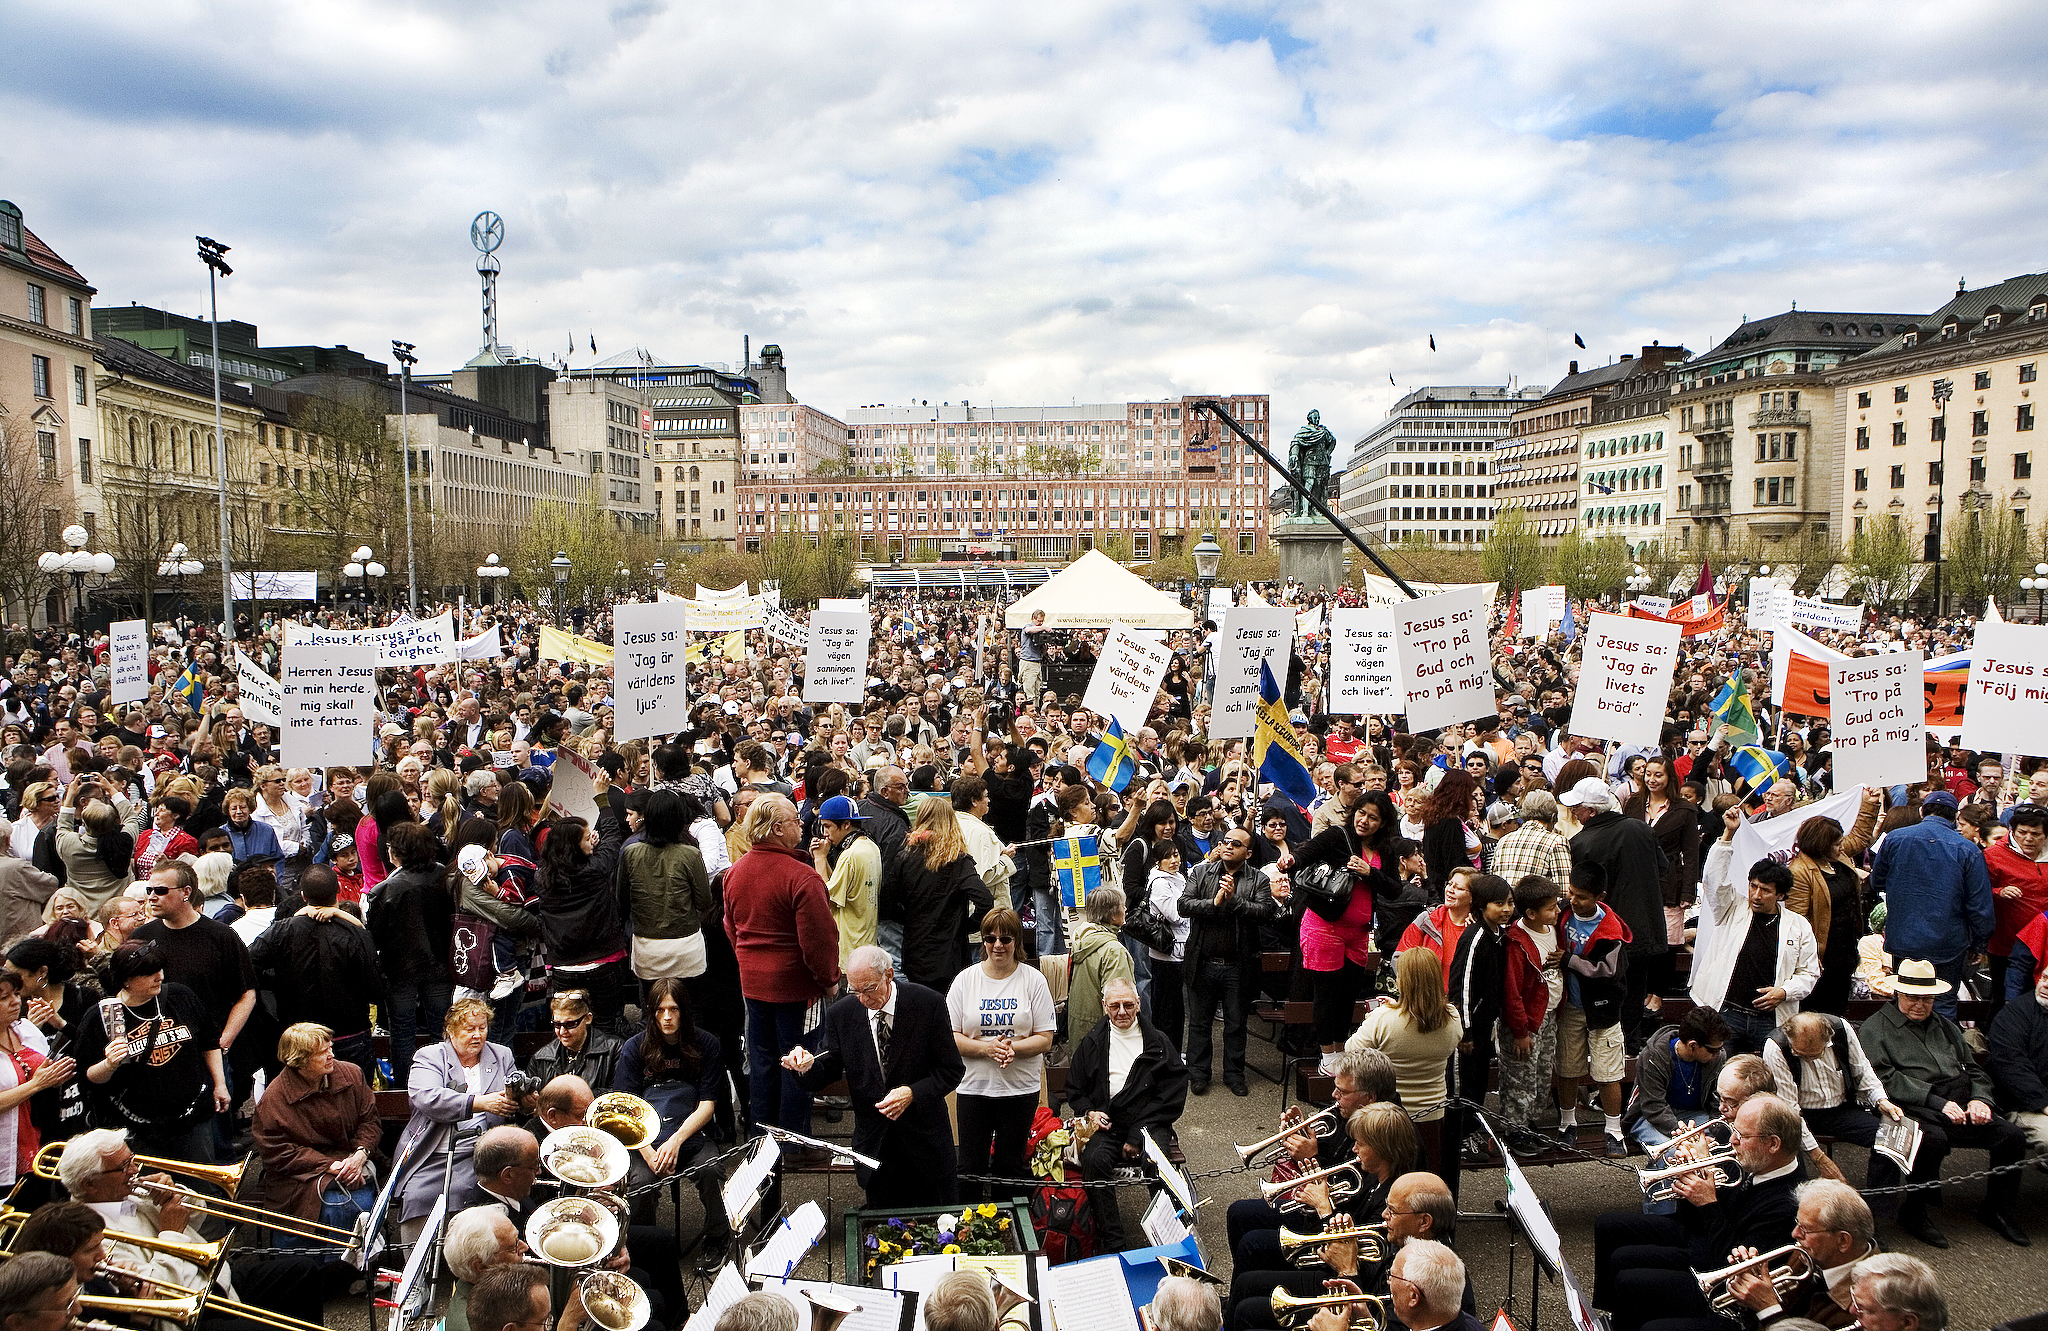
(1003, 1023)
(579, 1049)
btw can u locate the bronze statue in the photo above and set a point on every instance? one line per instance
(1308, 457)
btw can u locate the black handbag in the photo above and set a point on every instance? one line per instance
(1324, 889)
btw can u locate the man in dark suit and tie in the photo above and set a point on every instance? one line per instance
(893, 1042)
(1643, 1264)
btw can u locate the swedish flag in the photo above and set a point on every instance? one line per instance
(1077, 869)
(1111, 763)
(1278, 757)
(190, 689)
(1731, 707)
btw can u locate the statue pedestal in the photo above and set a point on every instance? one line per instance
(1312, 551)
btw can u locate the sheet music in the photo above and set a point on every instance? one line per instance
(728, 1289)
(880, 1309)
(793, 1237)
(744, 1186)
(1092, 1296)
(1162, 1223)
(1174, 1180)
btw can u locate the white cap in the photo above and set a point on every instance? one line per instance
(1591, 792)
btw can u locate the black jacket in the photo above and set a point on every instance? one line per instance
(1230, 930)
(596, 1064)
(580, 919)
(937, 908)
(922, 1056)
(2019, 1056)
(1627, 849)
(1154, 1094)
(322, 971)
(410, 922)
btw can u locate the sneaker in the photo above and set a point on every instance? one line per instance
(1617, 1147)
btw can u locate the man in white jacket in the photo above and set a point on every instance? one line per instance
(1756, 960)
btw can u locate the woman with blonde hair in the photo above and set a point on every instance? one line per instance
(315, 1128)
(934, 890)
(1418, 1032)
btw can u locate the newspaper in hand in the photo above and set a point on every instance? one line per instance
(1898, 1140)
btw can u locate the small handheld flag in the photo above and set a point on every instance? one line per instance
(1274, 751)
(1076, 869)
(1111, 763)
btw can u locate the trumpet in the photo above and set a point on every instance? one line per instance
(1321, 1124)
(1659, 1151)
(226, 1177)
(1784, 1274)
(1291, 1310)
(627, 1117)
(1657, 1183)
(1302, 1249)
(1346, 1182)
(614, 1302)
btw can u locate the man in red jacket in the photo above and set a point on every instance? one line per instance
(1535, 984)
(780, 921)
(2019, 891)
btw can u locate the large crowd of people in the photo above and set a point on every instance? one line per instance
(1494, 926)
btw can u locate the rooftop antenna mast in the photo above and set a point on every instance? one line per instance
(487, 232)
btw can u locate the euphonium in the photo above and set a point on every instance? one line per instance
(1657, 1183)
(1314, 1123)
(1302, 1249)
(1290, 1309)
(629, 1118)
(1784, 1275)
(1346, 1181)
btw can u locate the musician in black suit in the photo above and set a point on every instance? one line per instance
(893, 1042)
(1643, 1264)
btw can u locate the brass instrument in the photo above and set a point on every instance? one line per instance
(226, 1177)
(1657, 1183)
(1292, 1310)
(1314, 1124)
(1304, 1249)
(613, 1301)
(627, 1117)
(577, 1231)
(585, 1157)
(1783, 1274)
(1346, 1181)
(1659, 1151)
(827, 1310)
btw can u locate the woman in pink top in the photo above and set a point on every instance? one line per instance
(1337, 953)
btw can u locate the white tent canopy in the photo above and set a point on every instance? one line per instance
(1094, 592)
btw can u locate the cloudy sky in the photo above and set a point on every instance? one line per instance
(1041, 202)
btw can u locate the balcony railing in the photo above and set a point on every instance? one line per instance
(1765, 419)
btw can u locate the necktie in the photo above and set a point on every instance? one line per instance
(882, 1040)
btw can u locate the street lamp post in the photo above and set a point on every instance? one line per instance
(77, 561)
(561, 565)
(178, 564)
(487, 576)
(406, 360)
(210, 252)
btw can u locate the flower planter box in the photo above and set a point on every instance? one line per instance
(1020, 1238)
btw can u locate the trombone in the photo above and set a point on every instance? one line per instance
(1659, 1151)
(1346, 1181)
(228, 1178)
(1291, 1310)
(1784, 1274)
(1303, 1249)
(1658, 1183)
(1312, 1124)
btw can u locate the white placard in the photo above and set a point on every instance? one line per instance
(128, 660)
(1541, 607)
(1814, 614)
(1127, 677)
(329, 695)
(1364, 675)
(649, 697)
(262, 698)
(836, 657)
(2008, 695)
(1625, 678)
(1440, 645)
(1878, 719)
(415, 642)
(1250, 634)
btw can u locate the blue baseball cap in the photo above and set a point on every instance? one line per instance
(840, 809)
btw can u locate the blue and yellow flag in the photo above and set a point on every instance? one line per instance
(1731, 708)
(190, 689)
(1274, 751)
(1111, 763)
(1077, 869)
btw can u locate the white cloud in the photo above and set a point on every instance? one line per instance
(1037, 203)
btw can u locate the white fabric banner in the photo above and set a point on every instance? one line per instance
(262, 697)
(414, 642)
(1878, 719)
(1364, 675)
(1440, 643)
(128, 660)
(1625, 678)
(2008, 699)
(836, 656)
(485, 646)
(1249, 634)
(1126, 677)
(276, 586)
(329, 692)
(648, 693)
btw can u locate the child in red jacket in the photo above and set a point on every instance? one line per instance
(1535, 984)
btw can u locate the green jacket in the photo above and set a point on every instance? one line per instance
(1913, 1059)
(663, 890)
(1098, 957)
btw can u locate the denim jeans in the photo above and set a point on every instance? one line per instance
(1648, 1135)
(1748, 1028)
(415, 1007)
(1216, 982)
(778, 1098)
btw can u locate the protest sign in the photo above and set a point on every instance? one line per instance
(1878, 719)
(1249, 635)
(648, 694)
(1363, 674)
(128, 660)
(1440, 645)
(836, 657)
(1625, 678)
(414, 642)
(2008, 699)
(329, 701)
(262, 699)
(1127, 677)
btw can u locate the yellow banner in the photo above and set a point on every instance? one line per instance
(555, 645)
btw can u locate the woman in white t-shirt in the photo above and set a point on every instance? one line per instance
(1002, 1024)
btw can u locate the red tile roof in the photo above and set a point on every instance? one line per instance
(45, 257)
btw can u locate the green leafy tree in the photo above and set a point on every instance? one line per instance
(1514, 555)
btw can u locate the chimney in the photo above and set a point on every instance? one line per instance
(1575, 367)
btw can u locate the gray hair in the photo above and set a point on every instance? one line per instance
(27, 1278)
(1437, 1271)
(1103, 904)
(961, 1301)
(758, 1312)
(1842, 1208)
(870, 958)
(1539, 806)
(1182, 1303)
(1902, 1285)
(83, 1153)
(472, 1240)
